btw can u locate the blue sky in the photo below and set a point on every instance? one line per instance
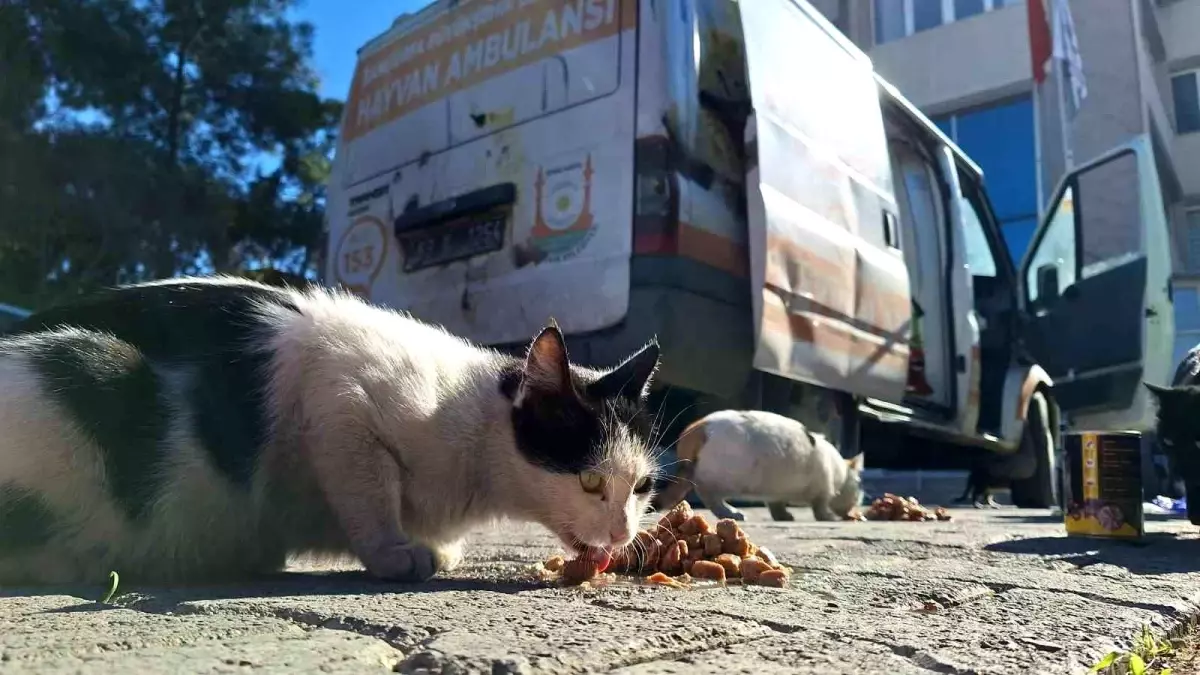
(342, 27)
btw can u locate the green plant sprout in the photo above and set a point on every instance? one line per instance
(1148, 656)
(114, 579)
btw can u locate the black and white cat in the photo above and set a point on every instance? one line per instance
(208, 429)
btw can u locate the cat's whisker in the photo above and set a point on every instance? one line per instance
(668, 426)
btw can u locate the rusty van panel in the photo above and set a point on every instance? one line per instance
(831, 290)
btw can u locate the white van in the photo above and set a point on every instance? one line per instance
(735, 179)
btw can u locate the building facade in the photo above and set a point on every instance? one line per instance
(966, 64)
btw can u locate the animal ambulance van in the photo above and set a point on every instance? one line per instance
(734, 178)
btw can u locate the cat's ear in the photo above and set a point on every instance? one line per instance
(631, 379)
(1159, 392)
(547, 369)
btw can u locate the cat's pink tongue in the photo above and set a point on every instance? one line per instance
(600, 557)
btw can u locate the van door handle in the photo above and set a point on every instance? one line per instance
(1151, 312)
(890, 236)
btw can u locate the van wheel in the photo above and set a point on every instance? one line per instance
(1193, 512)
(1037, 491)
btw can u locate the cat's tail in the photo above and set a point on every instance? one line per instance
(687, 451)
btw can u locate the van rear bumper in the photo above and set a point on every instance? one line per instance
(700, 315)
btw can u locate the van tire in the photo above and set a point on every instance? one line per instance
(1037, 491)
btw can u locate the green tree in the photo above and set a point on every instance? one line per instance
(133, 136)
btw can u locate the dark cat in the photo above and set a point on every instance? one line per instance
(980, 484)
(1178, 429)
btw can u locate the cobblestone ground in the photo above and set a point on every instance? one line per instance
(1012, 594)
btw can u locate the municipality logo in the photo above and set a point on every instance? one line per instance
(563, 223)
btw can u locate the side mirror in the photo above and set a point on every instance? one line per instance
(1047, 284)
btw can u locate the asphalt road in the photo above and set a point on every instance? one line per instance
(1012, 595)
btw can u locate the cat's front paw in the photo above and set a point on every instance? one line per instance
(449, 556)
(404, 562)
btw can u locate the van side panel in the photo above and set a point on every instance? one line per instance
(532, 100)
(832, 298)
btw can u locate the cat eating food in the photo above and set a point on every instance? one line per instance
(760, 455)
(202, 429)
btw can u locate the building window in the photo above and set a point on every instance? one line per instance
(1187, 320)
(1000, 139)
(1191, 229)
(1185, 89)
(895, 19)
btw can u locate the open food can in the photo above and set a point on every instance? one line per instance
(1104, 484)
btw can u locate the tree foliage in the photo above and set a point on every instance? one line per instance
(133, 136)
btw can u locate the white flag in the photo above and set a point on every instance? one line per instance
(1066, 53)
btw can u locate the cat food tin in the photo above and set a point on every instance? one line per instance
(1104, 484)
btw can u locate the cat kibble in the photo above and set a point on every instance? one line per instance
(555, 563)
(712, 545)
(707, 569)
(695, 525)
(765, 554)
(893, 507)
(752, 569)
(729, 530)
(579, 570)
(663, 580)
(739, 547)
(678, 515)
(776, 578)
(669, 557)
(731, 563)
(672, 560)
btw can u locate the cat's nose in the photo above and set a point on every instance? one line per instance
(620, 536)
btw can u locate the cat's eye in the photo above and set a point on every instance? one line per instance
(591, 481)
(643, 486)
(1168, 442)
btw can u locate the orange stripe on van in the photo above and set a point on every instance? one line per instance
(472, 44)
(831, 334)
(696, 244)
(713, 249)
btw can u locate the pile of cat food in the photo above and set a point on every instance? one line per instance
(894, 507)
(681, 548)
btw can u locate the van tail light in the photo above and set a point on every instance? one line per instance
(656, 197)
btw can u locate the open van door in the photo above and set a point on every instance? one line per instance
(830, 288)
(1095, 286)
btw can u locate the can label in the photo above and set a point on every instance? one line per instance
(1104, 486)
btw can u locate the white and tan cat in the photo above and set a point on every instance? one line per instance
(208, 429)
(751, 454)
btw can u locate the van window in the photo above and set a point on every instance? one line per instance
(980, 258)
(1109, 202)
(1056, 248)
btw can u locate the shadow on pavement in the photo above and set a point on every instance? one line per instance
(286, 584)
(1156, 553)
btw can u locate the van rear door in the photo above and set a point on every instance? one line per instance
(1095, 284)
(500, 135)
(831, 290)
